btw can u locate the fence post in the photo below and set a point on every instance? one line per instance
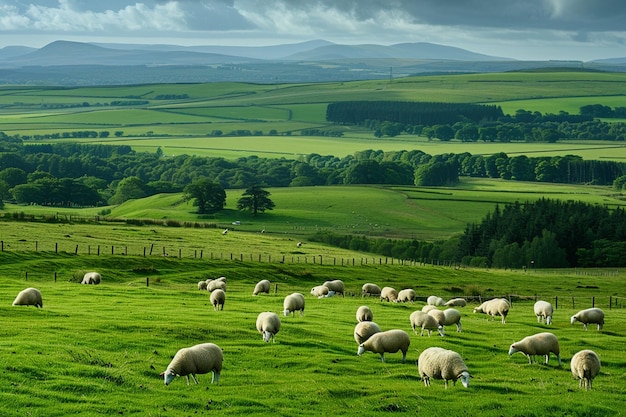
(98, 250)
(76, 250)
(2, 242)
(573, 303)
(180, 254)
(610, 302)
(147, 281)
(56, 247)
(26, 276)
(556, 302)
(151, 247)
(55, 276)
(593, 301)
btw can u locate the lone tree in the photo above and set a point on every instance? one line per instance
(255, 199)
(208, 196)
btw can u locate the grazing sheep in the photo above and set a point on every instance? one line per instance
(388, 294)
(364, 330)
(390, 341)
(364, 313)
(543, 311)
(218, 297)
(589, 316)
(370, 289)
(216, 284)
(456, 302)
(29, 297)
(453, 316)
(439, 363)
(320, 291)
(91, 278)
(268, 324)
(427, 308)
(198, 359)
(225, 231)
(299, 244)
(262, 286)
(407, 294)
(585, 367)
(425, 321)
(438, 315)
(292, 303)
(495, 307)
(335, 285)
(537, 344)
(202, 285)
(433, 300)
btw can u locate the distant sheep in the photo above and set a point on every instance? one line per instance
(320, 291)
(388, 294)
(198, 359)
(589, 316)
(495, 307)
(537, 344)
(456, 302)
(335, 285)
(433, 300)
(390, 341)
(585, 367)
(364, 313)
(29, 297)
(93, 278)
(262, 286)
(218, 297)
(268, 324)
(439, 363)
(202, 285)
(543, 311)
(216, 284)
(370, 290)
(292, 303)
(424, 321)
(364, 330)
(407, 294)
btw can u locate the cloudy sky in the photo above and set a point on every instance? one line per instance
(521, 29)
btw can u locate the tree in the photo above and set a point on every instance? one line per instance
(255, 199)
(127, 189)
(208, 196)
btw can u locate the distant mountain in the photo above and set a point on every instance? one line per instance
(12, 51)
(615, 61)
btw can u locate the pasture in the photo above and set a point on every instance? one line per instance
(94, 350)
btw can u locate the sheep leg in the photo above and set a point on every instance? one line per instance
(426, 380)
(382, 357)
(194, 379)
(403, 357)
(585, 326)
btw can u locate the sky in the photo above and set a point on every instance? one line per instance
(520, 29)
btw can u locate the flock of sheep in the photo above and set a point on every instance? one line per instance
(433, 362)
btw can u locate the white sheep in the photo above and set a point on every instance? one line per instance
(91, 278)
(320, 291)
(218, 297)
(388, 294)
(29, 297)
(370, 289)
(589, 316)
(364, 330)
(262, 286)
(438, 315)
(202, 285)
(453, 316)
(427, 308)
(292, 303)
(198, 359)
(543, 311)
(216, 284)
(424, 321)
(585, 367)
(433, 300)
(537, 344)
(390, 341)
(335, 285)
(364, 313)
(439, 363)
(495, 307)
(268, 324)
(456, 302)
(407, 294)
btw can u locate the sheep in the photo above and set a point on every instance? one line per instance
(456, 302)
(262, 286)
(335, 285)
(439, 363)
(537, 344)
(433, 300)
(92, 278)
(427, 308)
(585, 367)
(198, 359)
(589, 316)
(268, 324)
(29, 297)
(364, 313)
(388, 294)
(390, 341)
(543, 311)
(202, 285)
(320, 291)
(438, 315)
(407, 294)
(422, 320)
(218, 297)
(370, 289)
(364, 330)
(292, 303)
(453, 316)
(216, 284)
(495, 307)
